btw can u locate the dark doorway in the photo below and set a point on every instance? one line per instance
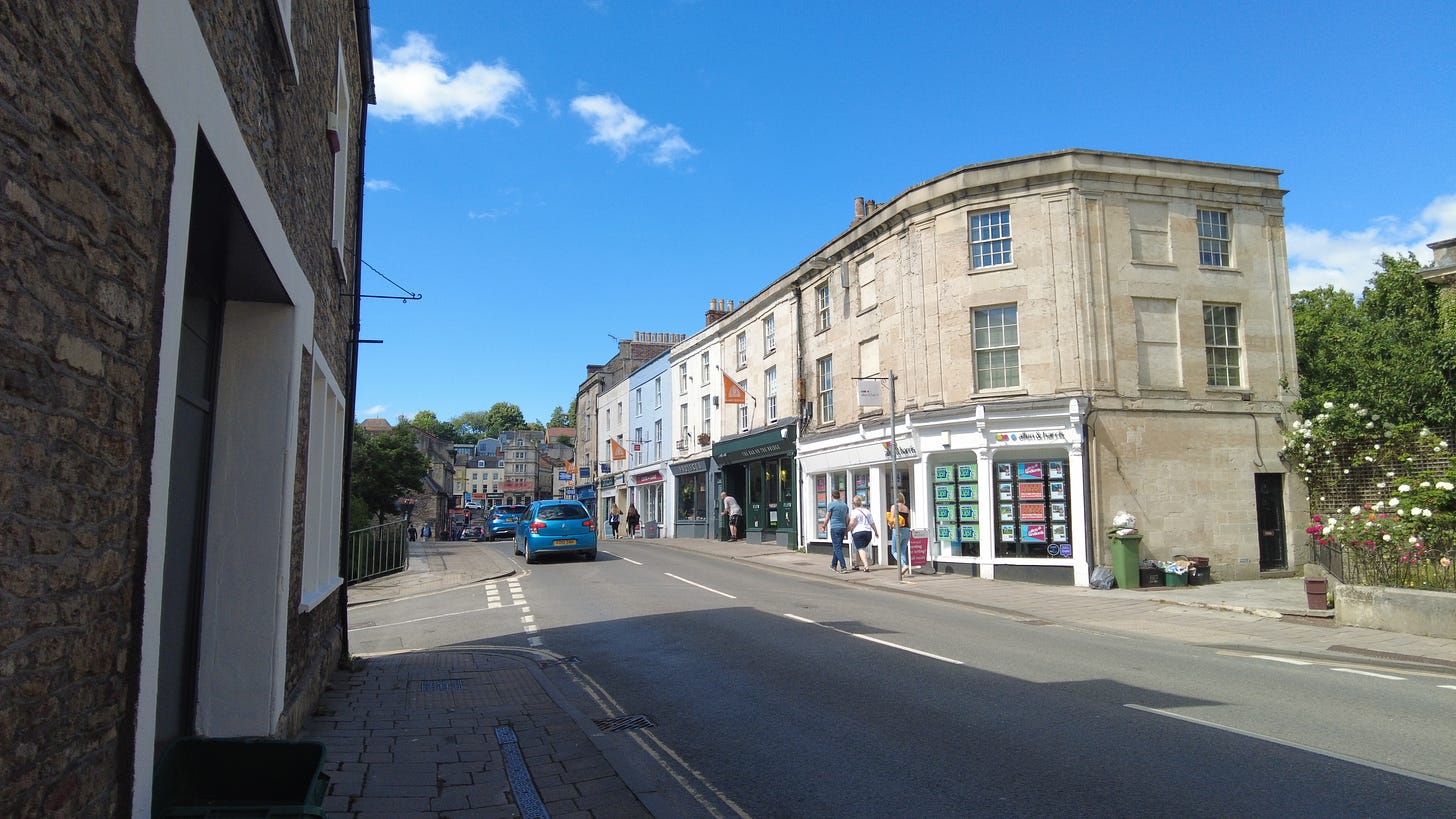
(1269, 507)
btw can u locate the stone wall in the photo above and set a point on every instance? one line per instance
(81, 252)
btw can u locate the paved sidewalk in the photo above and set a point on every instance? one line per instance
(420, 733)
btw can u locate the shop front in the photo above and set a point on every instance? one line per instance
(695, 490)
(648, 491)
(759, 471)
(999, 493)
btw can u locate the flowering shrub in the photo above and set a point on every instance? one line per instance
(1408, 536)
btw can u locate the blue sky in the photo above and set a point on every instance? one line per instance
(553, 173)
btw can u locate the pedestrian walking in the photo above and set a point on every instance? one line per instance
(836, 523)
(735, 515)
(633, 518)
(412, 532)
(862, 529)
(901, 530)
(425, 531)
(614, 520)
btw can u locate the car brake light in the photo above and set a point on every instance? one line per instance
(590, 524)
(537, 525)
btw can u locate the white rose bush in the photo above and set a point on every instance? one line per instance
(1407, 535)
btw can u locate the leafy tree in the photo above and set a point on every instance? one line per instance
(426, 421)
(559, 418)
(385, 467)
(1386, 352)
(473, 424)
(494, 421)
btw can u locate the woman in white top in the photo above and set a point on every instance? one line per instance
(862, 528)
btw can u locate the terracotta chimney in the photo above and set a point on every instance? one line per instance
(859, 209)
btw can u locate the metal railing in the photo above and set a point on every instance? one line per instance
(1363, 567)
(377, 551)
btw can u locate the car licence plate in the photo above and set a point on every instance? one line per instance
(570, 541)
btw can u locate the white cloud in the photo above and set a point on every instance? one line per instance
(410, 82)
(380, 185)
(1348, 260)
(376, 411)
(618, 127)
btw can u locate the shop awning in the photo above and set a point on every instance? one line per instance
(772, 442)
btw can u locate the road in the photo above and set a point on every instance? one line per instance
(791, 696)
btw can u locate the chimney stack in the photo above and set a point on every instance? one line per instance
(859, 209)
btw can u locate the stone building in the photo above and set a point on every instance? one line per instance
(179, 225)
(591, 453)
(1024, 348)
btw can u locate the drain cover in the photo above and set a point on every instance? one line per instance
(628, 723)
(430, 686)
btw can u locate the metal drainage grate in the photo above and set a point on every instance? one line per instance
(432, 686)
(628, 723)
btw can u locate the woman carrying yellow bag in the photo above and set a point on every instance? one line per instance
(900, 528)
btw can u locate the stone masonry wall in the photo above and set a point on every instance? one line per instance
(84, 161)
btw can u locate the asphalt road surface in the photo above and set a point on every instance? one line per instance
(779, 695)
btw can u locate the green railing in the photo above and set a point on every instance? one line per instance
(377, 551)
(1365, 567)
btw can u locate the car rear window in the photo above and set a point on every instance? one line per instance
(563, 512)
(509, 510)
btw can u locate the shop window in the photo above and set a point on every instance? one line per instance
(823, 485)
(957, 509)
(1032, 509)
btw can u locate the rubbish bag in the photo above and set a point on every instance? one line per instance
(1103, 578)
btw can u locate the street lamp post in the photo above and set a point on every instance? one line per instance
(894, 527)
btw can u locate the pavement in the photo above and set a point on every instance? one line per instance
(488, 731)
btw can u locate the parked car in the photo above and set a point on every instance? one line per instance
(503, 519)
(556, 527)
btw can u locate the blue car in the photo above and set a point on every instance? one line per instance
(503, 521)
(556, 527)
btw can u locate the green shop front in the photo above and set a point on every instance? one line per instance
(758, 470)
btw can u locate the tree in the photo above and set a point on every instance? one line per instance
(1386, 352)
(426, 421)
(560, 418)
(493, 422)
(385, 467)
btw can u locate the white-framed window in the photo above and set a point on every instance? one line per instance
(637, 402)
(867, 270)
(771, 393)
(657, 392)
(743, 409)
(682, 378)
(821, 301)
(1156, 324)
(707, 412)
(339, 120)
(769, 342)
(657, 440)
(326, 430)
(824, 374)
(682, 417)
(742, 344)
(1213, 238)
(1221, 345)
(703, 366)
(998, 348)
(636, 446)
(991, 238)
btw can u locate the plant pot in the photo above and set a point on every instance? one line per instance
(1316, 590)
